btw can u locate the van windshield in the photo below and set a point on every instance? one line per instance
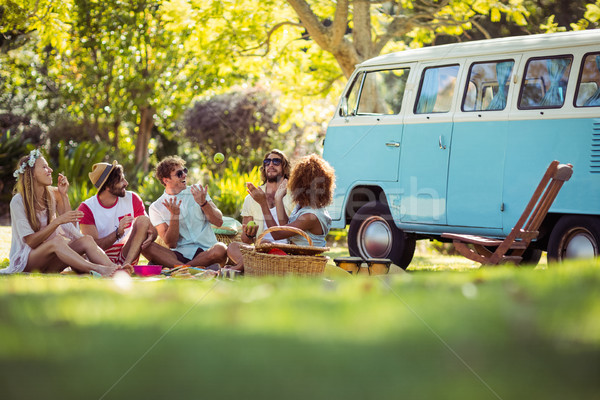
(376, 92)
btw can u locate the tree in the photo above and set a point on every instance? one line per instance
(131, 65)
(240, 123)
(375, 24)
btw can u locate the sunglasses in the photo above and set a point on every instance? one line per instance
(276, 161)
(181, 172)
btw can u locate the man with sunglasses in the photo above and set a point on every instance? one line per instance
(183, 216)
(275, 170)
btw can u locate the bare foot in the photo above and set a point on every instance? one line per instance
(127, 268)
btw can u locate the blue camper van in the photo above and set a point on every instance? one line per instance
(455, 138)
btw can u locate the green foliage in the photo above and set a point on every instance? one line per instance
(149, 188)
(75, 161)
(12, 148)
(240, 122)
(228, 188)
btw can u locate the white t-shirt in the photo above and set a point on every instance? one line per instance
(19, 250)
(106, 219)
(195, 230)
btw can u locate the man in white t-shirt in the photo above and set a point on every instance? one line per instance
(183, 216)
(116, 218)
(275, 171)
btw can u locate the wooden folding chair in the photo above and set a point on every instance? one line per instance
(526, 228)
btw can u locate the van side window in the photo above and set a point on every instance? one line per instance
(588, 87)
(487, 86)
(545, 82)
(377, 92)
(437, 89)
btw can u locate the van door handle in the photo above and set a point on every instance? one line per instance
(392, 144)
(440, 143)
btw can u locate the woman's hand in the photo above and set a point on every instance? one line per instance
(69, 216)
(63, 185)
(281, 190)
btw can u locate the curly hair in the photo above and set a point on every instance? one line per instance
(312, 182)
(285, 165)
(166, 166)
(113, 178)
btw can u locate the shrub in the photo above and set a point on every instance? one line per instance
(12, 147)
(75, 161)
(228, 189)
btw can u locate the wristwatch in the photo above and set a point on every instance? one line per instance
(117, 234)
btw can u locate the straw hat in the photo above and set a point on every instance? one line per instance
(100, 173)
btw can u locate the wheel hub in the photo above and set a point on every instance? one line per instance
(375, 238)
(579, 243)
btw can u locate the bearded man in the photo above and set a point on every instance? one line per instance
(275, 171)
(116, 218)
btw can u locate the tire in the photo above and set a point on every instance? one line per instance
(574, 236)
(373, 234)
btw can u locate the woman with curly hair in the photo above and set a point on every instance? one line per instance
(45, 237)
(311, 185)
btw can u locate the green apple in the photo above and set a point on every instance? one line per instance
(219, 157)
(251, 224)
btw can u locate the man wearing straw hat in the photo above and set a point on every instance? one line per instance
(115, 217)
(183, 216)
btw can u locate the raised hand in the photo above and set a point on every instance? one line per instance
(281, 189)
(256, 193)
(199, 193)
(63, 185)
(172, 205)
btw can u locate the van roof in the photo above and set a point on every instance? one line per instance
(490, 46)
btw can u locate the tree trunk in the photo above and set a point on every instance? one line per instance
(143, 136)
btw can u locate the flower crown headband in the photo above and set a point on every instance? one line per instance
(33, 155)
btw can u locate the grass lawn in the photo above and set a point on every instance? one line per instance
(444, 330)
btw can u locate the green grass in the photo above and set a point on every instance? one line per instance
(444, 330)
(496, 333)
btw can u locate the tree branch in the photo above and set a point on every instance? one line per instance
(340, 22)
(267, 41)
(313, 25)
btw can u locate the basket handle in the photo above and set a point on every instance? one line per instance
(284, 228)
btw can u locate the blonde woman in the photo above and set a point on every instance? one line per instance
(45, 236)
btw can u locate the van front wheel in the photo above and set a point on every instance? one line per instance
(373, 234)
(574, 236)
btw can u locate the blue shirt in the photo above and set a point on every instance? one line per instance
(323, 217)
(194, 228)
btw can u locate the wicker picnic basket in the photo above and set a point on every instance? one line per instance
(257, 263)
(228, 239)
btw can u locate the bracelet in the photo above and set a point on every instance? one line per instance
(202, 205)
(117, 234)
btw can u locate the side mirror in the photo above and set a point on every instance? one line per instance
(344, 108)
